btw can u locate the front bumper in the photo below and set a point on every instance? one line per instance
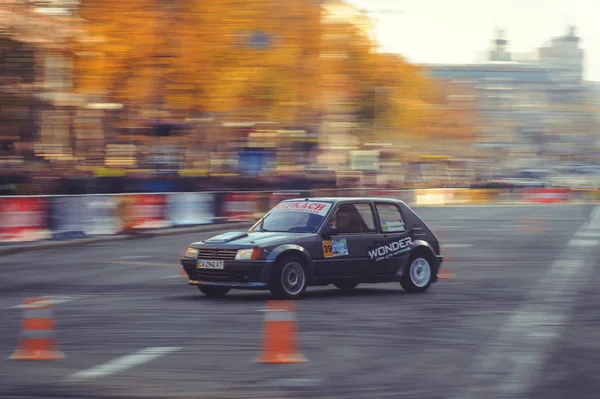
(245, 286)
(235, 274)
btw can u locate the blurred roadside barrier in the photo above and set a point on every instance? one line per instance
(23, 219)
(66, 217)
(240, 207)
(407, 196)
(36, 218)
(188, 209)
(145, 211)
(546, 195)
(101, 215)
(433, 197)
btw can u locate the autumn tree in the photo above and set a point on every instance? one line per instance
(260, 59)
(203, 55)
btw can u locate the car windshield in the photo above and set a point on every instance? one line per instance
(294, 217)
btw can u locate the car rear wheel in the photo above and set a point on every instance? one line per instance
(288, 280)
(418, 275)
(346, 286)
(214, 291)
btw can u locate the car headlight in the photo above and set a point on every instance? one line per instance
(191, 253)
(247, 254)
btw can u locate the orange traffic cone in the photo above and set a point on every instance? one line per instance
(279, 335)
(444, 273)
(37, 340)
(530, 225)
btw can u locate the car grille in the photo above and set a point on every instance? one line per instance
(247, 275)
(224, 254)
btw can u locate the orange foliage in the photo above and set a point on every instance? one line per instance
(194, 55)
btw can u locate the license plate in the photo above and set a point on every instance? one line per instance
(210, 264)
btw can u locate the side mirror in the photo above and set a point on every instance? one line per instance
(329, 231)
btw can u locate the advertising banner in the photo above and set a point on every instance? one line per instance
(101, 215)
(144, 211)
(191, 208)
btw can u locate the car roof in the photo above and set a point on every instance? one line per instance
(335, 200)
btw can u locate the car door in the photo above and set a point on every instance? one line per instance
(345, 254)
(393, 248)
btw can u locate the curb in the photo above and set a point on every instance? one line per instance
(41, 246)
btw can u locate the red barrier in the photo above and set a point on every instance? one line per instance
(240, 207)
(145, 211)
(23, 219)
(546, 195)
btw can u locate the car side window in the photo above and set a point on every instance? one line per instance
(354, 218)
(390, 218)
(366, 213)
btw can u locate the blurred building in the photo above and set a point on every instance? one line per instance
(341, 21)
(36, 97)
(535, 104)
(563, 56)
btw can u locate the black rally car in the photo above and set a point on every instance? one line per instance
(317, 242)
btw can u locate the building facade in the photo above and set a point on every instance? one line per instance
(540, 105)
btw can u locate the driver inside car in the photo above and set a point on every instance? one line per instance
(342, 221)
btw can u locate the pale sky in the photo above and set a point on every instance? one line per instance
(454, 31)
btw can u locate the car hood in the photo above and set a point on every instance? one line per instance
(250, 239)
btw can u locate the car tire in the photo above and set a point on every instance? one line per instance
(346, 286)
(288, 279)
(215, 292)
(419, 273)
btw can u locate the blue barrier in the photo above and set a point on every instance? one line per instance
(191, 208)
(66, 218)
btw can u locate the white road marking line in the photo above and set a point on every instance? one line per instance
(134, 257)
(588, 234)
(53, 300)
(451, 246)
(583, 243)
(509, 365)
(472, 228)
(124, 362)
(134, 263)
(176, 276)
(594, 220)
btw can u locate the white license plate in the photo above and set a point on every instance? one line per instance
(210, 264)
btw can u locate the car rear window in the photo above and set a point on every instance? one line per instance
(390, 218)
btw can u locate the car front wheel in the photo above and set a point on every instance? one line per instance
(288, 280)
(214, 291)
(418, 275)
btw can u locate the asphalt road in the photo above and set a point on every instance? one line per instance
(517, 318)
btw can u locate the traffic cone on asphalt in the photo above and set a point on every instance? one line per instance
(445, 273)
(280, 343)
(531, 225)
(37, 341)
